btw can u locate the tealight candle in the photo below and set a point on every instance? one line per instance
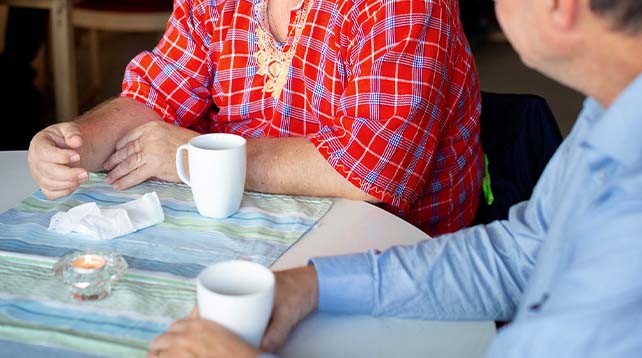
(88, 263)
(90, 274)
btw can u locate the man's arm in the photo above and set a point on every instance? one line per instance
(478, 273)
(594, 304)
(473, 274)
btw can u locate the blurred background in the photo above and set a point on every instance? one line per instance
(105, 34)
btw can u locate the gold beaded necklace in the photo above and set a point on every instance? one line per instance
(273, 63)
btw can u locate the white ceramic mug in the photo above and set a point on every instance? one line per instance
(216, 172)
(239, 296)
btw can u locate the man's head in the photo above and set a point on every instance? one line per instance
(577, 41)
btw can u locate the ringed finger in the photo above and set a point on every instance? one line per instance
(133, 135)
(125, 167)
(132, 178)
(122, 154)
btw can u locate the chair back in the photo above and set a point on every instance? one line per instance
(122, 15)
(519, 135)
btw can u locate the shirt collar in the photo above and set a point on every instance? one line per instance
(618, 129)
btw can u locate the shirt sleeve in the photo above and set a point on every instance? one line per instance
(399, 58)
(174, 78)
(594, 307)
(477, 273)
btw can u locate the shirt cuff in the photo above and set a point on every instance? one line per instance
(346, 283)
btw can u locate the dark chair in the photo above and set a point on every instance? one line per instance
(477, 18)
(519, 135)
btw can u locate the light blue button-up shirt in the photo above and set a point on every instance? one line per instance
(566, 267)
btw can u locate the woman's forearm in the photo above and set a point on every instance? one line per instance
(104, 125)
(294, 166)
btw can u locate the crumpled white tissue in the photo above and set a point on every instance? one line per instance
(109, 222)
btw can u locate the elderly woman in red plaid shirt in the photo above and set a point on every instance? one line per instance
(362, 99)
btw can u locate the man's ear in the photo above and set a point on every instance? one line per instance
(563, 13)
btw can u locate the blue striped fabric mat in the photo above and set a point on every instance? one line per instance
(37, 313)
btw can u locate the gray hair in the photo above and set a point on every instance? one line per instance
(626, 15)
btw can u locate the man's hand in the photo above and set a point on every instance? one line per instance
(296, 296)
(146, 151)
(52, 154)
(196, 337)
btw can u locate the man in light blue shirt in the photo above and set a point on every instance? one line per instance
(565, 268)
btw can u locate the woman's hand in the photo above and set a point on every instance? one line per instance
(53, 153)
(146, 151)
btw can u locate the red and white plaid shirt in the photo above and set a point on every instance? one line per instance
(385, 89)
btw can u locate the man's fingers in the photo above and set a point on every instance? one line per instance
(174, 353)
(295, 298)
(180, 326)
(176, 340)
(195, 312)
(123, 153)
(277, 332)
(163, 342)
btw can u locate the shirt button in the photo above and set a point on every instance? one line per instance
(538, 305)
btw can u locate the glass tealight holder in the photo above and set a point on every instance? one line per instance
(90, 274)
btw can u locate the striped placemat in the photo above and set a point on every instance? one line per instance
(35, 308)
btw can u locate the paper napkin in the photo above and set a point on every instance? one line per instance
(109, 222)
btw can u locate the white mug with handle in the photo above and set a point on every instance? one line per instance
(216, 172)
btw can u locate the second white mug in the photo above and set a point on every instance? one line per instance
(216, 172)
(238, 295)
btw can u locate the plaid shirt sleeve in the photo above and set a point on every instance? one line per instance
(174, 78)
(395, 107)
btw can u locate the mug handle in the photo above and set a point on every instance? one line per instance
(180, 168)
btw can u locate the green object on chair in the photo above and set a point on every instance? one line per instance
(488, 191)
